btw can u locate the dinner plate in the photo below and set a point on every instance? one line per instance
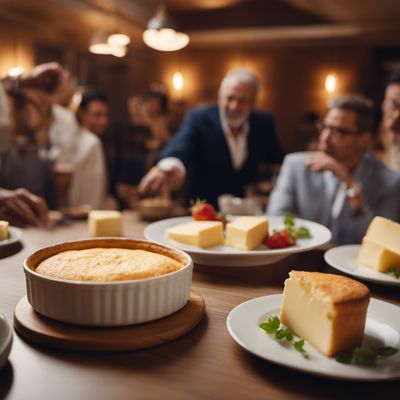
(229, 257)
(344, 258)
(382, 328)
(15, 235)
(5, 340)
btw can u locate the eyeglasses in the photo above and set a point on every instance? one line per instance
(335, 131)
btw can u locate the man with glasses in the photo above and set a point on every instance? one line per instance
(342, 186)
(391, 122)
(218, 148)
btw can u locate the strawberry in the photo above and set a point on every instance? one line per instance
(280, 239)
(202, 211)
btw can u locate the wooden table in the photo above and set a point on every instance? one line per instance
(204, 364)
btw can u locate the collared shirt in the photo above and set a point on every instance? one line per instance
(237, 146)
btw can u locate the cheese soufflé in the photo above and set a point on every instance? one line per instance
(107, 264)
(328, 311)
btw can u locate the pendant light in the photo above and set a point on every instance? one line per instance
(161, 34)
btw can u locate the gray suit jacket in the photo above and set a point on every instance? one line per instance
(311, 195)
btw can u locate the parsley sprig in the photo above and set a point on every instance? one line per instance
(274, 327)
(300, 232)
(395, 272)
(367, 356)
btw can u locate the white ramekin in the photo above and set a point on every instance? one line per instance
(114, 303)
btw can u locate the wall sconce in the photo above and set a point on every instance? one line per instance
(177, 81)
(161, 34)
(330, 83)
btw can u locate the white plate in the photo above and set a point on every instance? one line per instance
(344, 258)
(229, 257)
(382, 329)
(15, 235)
(5, 340)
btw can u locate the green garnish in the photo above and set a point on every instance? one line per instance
(274, 327)
(300, 232)
(366, 357)
(395, 272)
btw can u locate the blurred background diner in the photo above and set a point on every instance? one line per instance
(121, 91)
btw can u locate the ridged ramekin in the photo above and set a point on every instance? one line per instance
(115, 303)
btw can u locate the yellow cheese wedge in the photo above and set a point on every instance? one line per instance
(246, 233)
(105, 223)
(198, 233)
(326, 310)
(4, 230)
(374, 255)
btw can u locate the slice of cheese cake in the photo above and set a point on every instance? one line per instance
(246, 233)
(198, 233)
(380, 248)
(326, 310)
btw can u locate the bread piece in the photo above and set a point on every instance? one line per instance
(328, 311)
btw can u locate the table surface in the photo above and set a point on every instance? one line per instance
(205, 363)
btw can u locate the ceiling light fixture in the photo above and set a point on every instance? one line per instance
(161, 34)
(118, 39)
(99, 44)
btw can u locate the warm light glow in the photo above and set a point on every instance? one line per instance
(100, 48)
(15, 71)
(177, 81)
(118, 39)
(330, 83)
(165, 39)
(118, 51)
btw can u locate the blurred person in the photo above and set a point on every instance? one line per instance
(155, 117)
(93, 112)
(390, 129)
(20, 206)
(342, 186)
(218, 148)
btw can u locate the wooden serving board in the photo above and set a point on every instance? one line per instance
(39, 329)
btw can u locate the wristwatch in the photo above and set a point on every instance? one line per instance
(353, 190)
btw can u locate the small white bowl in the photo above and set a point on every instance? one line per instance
(115, 303)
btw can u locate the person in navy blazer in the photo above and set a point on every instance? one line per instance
(218, 148)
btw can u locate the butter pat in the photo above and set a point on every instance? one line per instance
(4, 234)
(105, 223)
(326, 310)
(380, 248)
(198, 233)
(246, 233)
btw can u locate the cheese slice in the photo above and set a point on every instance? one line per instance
(198, 233)
(374, 255)
(246, 233)
(326, 310)
(105, 223)
(4, 230)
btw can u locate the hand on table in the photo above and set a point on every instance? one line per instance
(21, 208)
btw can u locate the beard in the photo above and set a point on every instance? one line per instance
(234, 120)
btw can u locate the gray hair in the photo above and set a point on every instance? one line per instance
(362, 106)
(241, 76)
